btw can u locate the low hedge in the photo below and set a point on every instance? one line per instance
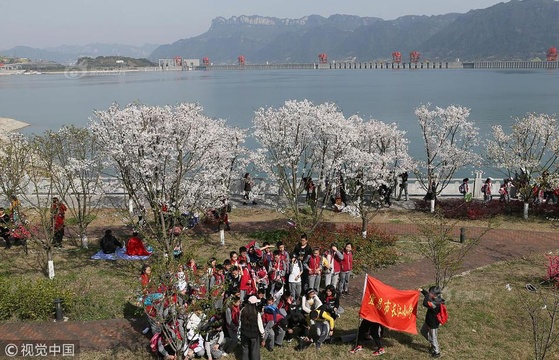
(25, 299)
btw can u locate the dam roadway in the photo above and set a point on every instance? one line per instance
(388, 65)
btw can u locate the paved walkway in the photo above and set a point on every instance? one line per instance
(497, 245)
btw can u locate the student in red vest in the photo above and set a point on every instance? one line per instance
(276, 272)
(345, 269)
(247, 286)
(314, 267)
(334, 258)
(232, 314)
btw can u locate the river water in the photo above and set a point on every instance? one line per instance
(49, 101)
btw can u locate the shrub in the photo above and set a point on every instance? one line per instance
(26, 299)
(377, 250)
(456, 208)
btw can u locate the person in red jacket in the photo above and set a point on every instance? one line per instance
(247, 286)
(345, 270)
(135, 246)
(58, 213)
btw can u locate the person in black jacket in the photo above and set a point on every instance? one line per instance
(331, 301)
(109, 243)
(5, 224)
(251, 329)
(304, 252)
(429, 330)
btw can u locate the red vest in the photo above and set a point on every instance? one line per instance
(315, 264)
(347, 262)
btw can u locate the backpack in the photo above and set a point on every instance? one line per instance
(272, 310)
(484, 189)
(442, 316)
(462, 189)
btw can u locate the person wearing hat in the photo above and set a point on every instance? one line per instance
(251, 330)
(429, 330)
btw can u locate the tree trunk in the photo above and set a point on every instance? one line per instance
(526, 206)
(50, 264)
(85, 241)
(364, 223)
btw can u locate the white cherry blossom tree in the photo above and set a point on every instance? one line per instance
(378, 154)
(301, 140)
(14, 161)
(449, 139)
(77, 173)
(171, 160)
(529, 150)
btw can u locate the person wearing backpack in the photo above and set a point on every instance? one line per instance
(434, 303)
(486, 190)
(464, 188)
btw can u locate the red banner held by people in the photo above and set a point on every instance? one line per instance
(392, 308)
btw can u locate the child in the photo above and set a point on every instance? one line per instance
(313, 265)
(334, 258)
(295, 273)
(345, 271)
(429, 330)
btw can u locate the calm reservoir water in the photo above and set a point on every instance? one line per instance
(49, 101)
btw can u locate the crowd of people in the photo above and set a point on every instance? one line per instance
(260, 297)
(14, 226)
(281, 295)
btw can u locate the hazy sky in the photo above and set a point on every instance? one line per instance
(40, 23)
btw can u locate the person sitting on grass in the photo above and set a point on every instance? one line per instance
(109, 243)
(136, 247)
(322, 328)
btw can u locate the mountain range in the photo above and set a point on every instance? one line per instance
(515, 30)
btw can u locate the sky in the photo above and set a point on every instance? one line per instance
(40, 24)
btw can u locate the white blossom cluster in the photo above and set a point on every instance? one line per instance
(170, 154)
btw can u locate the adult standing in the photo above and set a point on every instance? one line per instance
(252, 330)
(58, 214)
(403, 186)
(248, 183)
(304, 252)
